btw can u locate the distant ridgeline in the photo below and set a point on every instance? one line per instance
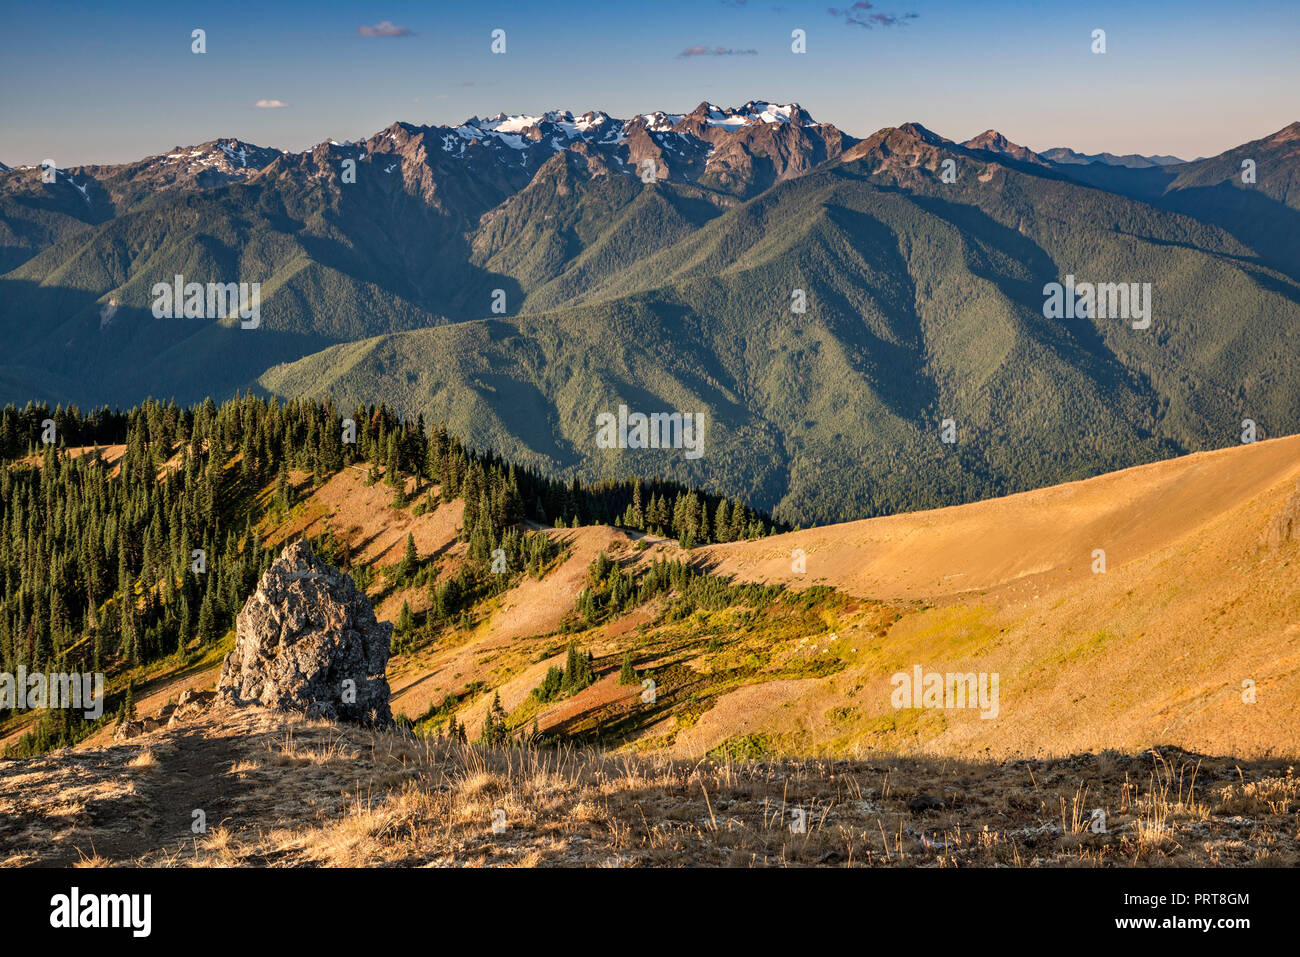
(177, 524)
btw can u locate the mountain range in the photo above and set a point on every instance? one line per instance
(516, 276)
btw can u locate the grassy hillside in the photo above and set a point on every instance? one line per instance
(131, 560)
(751, 657)
(1195, 599)
(771, 696)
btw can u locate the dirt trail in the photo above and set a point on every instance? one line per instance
(193, 775)
(125, 801)
(135, 802)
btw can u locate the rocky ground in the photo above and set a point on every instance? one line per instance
(278, 789)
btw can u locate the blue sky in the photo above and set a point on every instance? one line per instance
(110, 82)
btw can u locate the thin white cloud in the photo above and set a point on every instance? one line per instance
(270, 104)
(385, 28)
(702, 50)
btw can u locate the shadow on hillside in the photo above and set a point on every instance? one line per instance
(92, 356)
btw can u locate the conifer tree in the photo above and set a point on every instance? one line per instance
(410, 559)
(627, 673)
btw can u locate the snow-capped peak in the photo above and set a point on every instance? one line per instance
(659, 120)
(592, 119)
(752, 113)
(531, 139)
(520, 131)
(501, 123)
(228, 156)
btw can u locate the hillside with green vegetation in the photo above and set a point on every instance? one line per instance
(832, 328)
(924, 303)
(129, 544)
(535, 612)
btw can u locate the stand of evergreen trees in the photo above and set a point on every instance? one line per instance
(108, 566)
(579, 672)
(610, 590)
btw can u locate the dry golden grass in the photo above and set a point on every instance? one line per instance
(1280, 796)
(216, 849)
(144, 761)
(1158, 649)
(92, 860)
(350, 797)
(1155, 649)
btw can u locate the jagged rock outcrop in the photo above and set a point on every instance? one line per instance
(127, 730)
(307, 640)
(191, 704)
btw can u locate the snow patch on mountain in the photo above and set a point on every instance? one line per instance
(660, 121)
(556, 130)
(755, 112)
(231, 157)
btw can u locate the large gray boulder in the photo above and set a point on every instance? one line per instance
(307, 640)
